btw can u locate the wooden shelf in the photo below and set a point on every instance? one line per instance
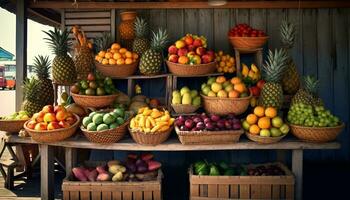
(143, 76)
(203, 75)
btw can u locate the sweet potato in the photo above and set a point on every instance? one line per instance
(92, 175)
(103, 177)
(153, 165)
(101, 169)
(78, 173)
(86, 172)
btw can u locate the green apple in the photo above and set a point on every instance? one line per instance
(211, 80)
(229, 88)
(275, 132)
(284, 129)
(277, 122)
(203, 85)
(206, 90)
(265, 133)
(194, 93)
(226, 83)
(245, 125)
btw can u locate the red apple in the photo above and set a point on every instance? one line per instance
(70, 120)
(260, 84)
(59, 108)
(206, 59)
(172, 49)
(182, 52)
(188, 39)
(31, 124)
(48, 109)
(200, 51)
(173, 58)
(41, 126)
(211, 53)
(49, 117)
(64, 124)
(40, 116)
(91, 77)
(61, 115)
(197, 42)
(191, 47)
(255, 91)
(191, 54)
(53, 125)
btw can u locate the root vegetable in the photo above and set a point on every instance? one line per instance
(92, 175)
(78, 173)
(103, 177)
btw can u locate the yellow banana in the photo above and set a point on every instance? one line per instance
(254, 68)
(155, 114)
(251, 74)
(156, 128)
(146, 130)
(162, 124)
(147, 112)
(132, 123)
(148, 123)
(164, 128)
(141, 110)
(142, 121)
(245, 70)
(153, 122)
(165, 118)
(171, 121)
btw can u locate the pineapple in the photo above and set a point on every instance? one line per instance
(32, 102)
(290, 80)
(63, 68)
(308, 93)
(272, 93)
(45, 92)
(141, 43)
(104, 42)
(151, 60)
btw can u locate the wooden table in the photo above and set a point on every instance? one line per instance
(47, 159)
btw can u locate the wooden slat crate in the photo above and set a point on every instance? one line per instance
(242, 187)
(145, 190)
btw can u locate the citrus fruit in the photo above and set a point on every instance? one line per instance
(240, 87)
(259, 111)
(220, 79)
(233, 94)
(254, 129)
(252, 119)
(271, 112)
(264, 123)
(235, 80)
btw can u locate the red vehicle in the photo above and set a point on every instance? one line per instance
(6, 82)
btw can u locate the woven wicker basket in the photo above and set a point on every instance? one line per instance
(11, 126)
(53, 135)
(150, 139)
(184, 109)
(94, 101)
(262, 139)
(107, 136)
(224, 106)
(117, 71)
(248, 42)
(316, 134)
(191, 70)
(208, 137)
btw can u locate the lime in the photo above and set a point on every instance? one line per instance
(91, 127)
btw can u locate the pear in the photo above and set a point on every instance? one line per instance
(194, 93)
(186, 98)
(184, 90)
(176, 98)
(196, 101)
(176, 92)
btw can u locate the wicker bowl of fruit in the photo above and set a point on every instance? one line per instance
(185, 101)
(13, 123)
(316, 134)
(245, 37)
(191, 69)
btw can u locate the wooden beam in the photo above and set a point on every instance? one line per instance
(47, 172)
(297, 168)
(183, 5)
(21, 50)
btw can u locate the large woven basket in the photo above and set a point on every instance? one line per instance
(248, 42)
(117, 71)
(94, 101)
(316, 134)
(191, 70)
(264, 140)
(150, 139)
(184, 109)
(53, 135)
(208, 137)
(11, 126)
(107, 136)
(224, 106)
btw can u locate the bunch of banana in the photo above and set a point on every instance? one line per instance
(151, 121)
(253, 73)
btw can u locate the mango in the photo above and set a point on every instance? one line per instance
(186, 99)
(184, 90)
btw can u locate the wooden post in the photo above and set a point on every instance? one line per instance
(47, 172)
(21, 49)
(297, 168)
(70, 154)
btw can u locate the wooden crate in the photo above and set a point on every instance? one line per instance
(145, 190)
(242, 187)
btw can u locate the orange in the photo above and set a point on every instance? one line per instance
(252, 119)
(183, 60)
(220, 79)
(108, 50)
(105, 61)
(113, 51)
(112, 61)
(135, 56)
(116, 56)
(98, 58)
(115, 46)
(101, 54)
(271, 112)
(240, 87)
(108, 55)
(235, 80)
(254, 129)
(259, 111)
(122, 50)
(264, 123)
(128, 54)
(233, 94)
(128, 61)
(120, 61)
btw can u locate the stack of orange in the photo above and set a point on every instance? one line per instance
(116, 55)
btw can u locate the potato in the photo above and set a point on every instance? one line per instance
(101, 169)
(103, 177)
(78, 172)
(113, 162)
(92, 175)
(117, 177)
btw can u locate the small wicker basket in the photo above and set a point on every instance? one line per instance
(208, 137)
(224, 106)
(316, 134)
(94, 101)
(53, 135)
(150, 139)
(117, 71)
(11, 126)
(191, 70)
(248, 42)
(263, 140)
(184, 109)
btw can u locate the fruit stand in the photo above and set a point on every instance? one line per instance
(143, 81)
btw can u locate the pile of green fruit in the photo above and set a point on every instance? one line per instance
(186, 96)
(21, 115)
(311, 116)
(98, 121)
(203, 168)
(94, 85)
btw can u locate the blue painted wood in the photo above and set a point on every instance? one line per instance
(221, 26)
(295, 16)
(309, 42)
(191, 21)
(274, 18)
(205, 20)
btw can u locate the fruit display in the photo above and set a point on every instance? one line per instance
(151, 121)
(186, 97)
(311, 116)
(94, 85)
(83, 55)
(223, 88)
(291, 79)
(63, 67)
(151, 59)
(38, 91)
(225, 62)
(20, 115)
(250, 74)
(190, 50)
(134, 168)
(207, 122)
(307, 94)
(265, 122)
(126, 27)
(272, 93)
(103, 42)
(100, 121)
(141, 42)
(51, 118)
(244, 30)
(116, 55)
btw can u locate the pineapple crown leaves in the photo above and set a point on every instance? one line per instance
(141, 27)
(275, 66)
(159, 39)
(42, 66)
(103, 42)
(287, 33)
(58, 41)
(30, 87)
(311, 84)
